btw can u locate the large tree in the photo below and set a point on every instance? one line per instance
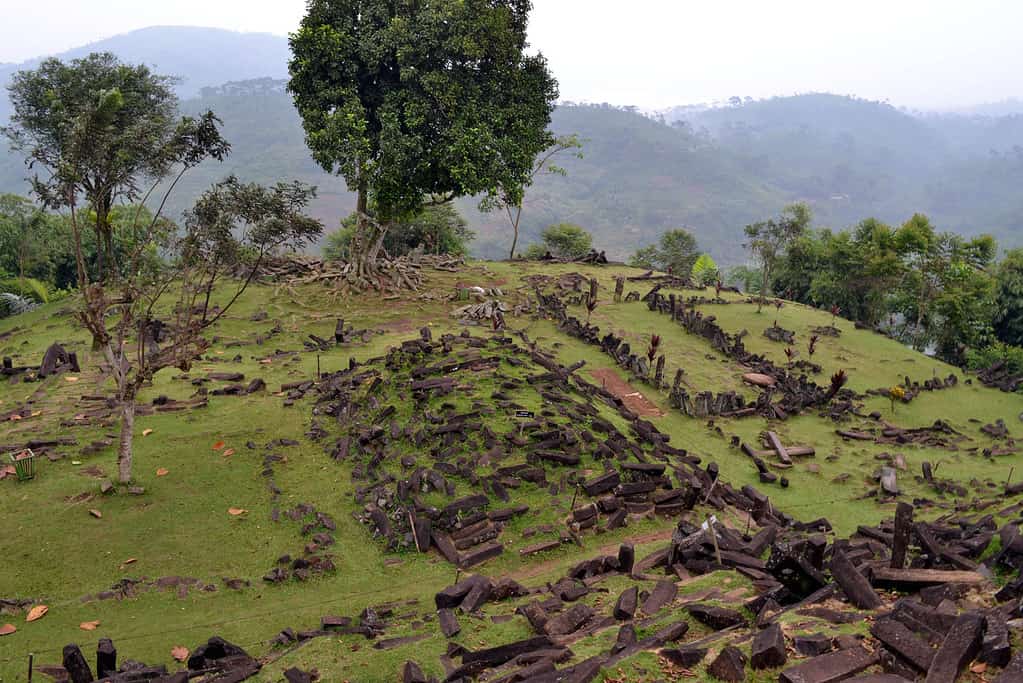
(101, 132)
(415, 102)
(769, 239)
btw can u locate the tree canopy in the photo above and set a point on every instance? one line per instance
(105, 132)
(411, 101)
(676, 252)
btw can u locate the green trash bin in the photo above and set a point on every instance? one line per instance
(24, 464)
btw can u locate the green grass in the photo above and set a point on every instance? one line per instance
(57, 553)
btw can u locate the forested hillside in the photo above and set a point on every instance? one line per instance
(711, 170)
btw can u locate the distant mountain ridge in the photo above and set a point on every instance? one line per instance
(709, 169)
(200, 57)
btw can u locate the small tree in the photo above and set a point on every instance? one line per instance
(768, 240)
(231, 225)
(675, 252)
(510, 200)
(562, 240)
(705, 271)
(101, 130)
(416, 102)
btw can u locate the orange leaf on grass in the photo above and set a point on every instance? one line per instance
(37, 612)
(89, 625)
(234, 512)
(7, 629)
(162, 472)
(147, 432)
(219, 445)
(228, 452)
(179, 653)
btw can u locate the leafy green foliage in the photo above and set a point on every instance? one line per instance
(767, 240)
(676, 252)
(26, 288)
(437, 229)
(705, 271)
(407, 101)
(928, 289)
(105, 131)
(1008, 323)
(1012, 356)
(562, 240)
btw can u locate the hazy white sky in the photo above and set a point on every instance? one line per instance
(654, 53)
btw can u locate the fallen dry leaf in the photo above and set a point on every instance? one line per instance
(89, 625)
(37, 612)
(36, 413)
(162, 472)
(70, 379)
(236, 511)
(15, 418)
(228, 452)
(218, 446)
(96, 513)
(979, 668)
(147, 432)
(179, 653)
(130, 560)
(7, 629)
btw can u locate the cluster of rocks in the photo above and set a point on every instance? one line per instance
(441, 447)
(1000, 376)
(776, 333)
(923, 588)
(56, 360)
(912, 388)
(216, 660)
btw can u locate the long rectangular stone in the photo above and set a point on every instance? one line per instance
(832, 667)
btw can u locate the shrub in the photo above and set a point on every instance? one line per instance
(27, 288)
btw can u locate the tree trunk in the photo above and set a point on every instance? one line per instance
(125, 448)
(515, 230)
(763, 289)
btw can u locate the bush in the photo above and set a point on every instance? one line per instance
(27, 288)
(563, 240)
(979, 359)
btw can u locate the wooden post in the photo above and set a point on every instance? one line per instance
(30, 666)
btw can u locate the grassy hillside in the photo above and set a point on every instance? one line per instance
(197, 464)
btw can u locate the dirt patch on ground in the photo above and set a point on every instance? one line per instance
(403, 325)
(633, 399)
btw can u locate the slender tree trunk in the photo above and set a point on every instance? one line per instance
(125, 447)
(515, 230)
(763, 289)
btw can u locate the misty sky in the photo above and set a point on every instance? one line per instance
(656, 53)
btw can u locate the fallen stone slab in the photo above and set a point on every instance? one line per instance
(1013, 672)
(834, 666)
(912, 580)
(958, 649)
(685, 657)
(662, 594)
(904, 643)
(768, 649)
(449, 625)
(569, 621)
(495, 656)
(730, 665)
(853, 583)
(717, 618)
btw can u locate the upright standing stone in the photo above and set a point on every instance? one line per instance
(74, 663)
(106, 658)
(903, 532)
